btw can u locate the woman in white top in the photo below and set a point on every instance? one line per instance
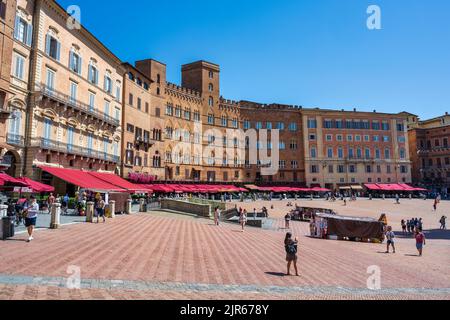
(243, 219)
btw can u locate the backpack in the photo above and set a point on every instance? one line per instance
(291, 248)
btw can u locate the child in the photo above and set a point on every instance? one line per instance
(390, 236)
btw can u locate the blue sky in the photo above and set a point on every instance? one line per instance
(315, 53)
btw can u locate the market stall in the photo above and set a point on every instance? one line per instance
(328, 226)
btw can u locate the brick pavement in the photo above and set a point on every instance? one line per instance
(162, 250)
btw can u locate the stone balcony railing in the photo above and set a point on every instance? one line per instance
(15, 140)
(47, 144)
(78, 105)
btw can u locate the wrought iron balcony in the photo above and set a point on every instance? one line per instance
(15, 140)
(77, 105)
(47, 144)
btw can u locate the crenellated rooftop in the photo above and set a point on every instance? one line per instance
(183, 90)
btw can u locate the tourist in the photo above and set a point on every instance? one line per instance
(291, 247)
(403, 223)
(345, 202)
(243, 219)
(100, 209)
(420, 224)
(216, 216)
(390, 236)
(255, 214)
(408, 226)
(420, 241)
(51, 200)
(443, 223)
(31, 211)
(65, 203)
(287, 220)
(435, 204)
(397, 199)
(219, 213)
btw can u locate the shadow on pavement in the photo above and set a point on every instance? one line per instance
(277, 274)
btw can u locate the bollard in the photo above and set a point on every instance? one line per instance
(128, 209)
(142, 207)
(56, 216)
(112, 208)
(3, 211)
(90, 212)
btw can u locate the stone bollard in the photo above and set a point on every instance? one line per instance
(128, 209)
(112, 208)
(90, 212)
(56, 216)
(3, 211)
(142, 207)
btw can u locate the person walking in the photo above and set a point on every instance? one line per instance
(408, 226)
(390, 236)
(443, 222)
(291, 247)
(219, 213)
(397, 198)
(420, 241)
(243, 219)
(31, 211)
(100, 208)
(287, 221)
(435, 204)
(216, 216)
(255, 214)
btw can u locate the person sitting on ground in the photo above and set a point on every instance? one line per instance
(291, 247)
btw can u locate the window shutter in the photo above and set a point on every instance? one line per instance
(111, 90)
(29, 34)
(47, 44)
(90, 73)
(96, 76)
(58, 51)
(105, 83)
(71, 60)
(80, 65)
(16, 28)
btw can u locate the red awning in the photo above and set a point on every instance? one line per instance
(83, 179)
(36, 186)
(119, 182)
(372, 187)
(7, 179)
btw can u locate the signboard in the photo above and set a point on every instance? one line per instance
(23, 190)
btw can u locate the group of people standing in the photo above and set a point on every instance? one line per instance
(410, 226)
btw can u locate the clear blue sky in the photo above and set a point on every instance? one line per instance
(315, 53)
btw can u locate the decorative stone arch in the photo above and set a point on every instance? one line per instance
(73, 122)
(50, 113)
(16, 162)
(16, 103)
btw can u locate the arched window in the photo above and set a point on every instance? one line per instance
(211, 101)
(158, 78)
(139, 81)
(211, 87)
(131, 76)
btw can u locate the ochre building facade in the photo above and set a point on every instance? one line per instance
(67, 101)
